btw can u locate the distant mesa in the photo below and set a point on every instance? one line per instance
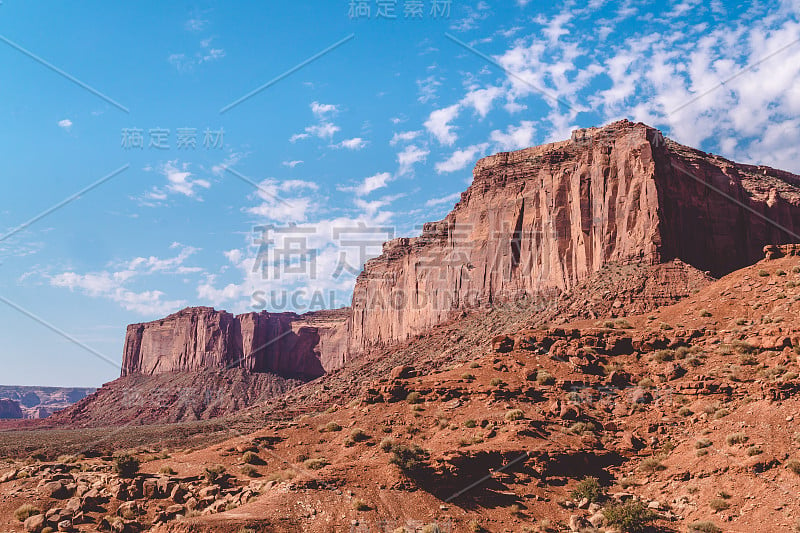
(10, 409)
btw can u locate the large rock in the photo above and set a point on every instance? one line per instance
(199, 338)
(10, 409)
(540, 220)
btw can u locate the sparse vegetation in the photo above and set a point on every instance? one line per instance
(359, 435)
(330, 427)
(414, 398)
(685, 411)
(632, 516)
(249, 471)
(470, 423)
(544, 378)
(704, 527)
(410, 459)
(589, 488)
(718, 504)
(754, 450)
(736, 438)
(167, 471)
(651, 465)
(496, 382)
(386, 444)
(252, 458)
(126, 466)
(514, 414)
(25, 511)
(705, 313)
(763, 273)
(315, 463)
(466, 376)
(702, 443)
(793, 465)
(215, 474)
(646, 383)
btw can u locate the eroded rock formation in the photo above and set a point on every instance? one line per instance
(198, 338)
(542, 219)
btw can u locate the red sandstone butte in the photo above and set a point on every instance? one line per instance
(543, 219)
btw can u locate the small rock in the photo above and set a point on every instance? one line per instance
(34, 524)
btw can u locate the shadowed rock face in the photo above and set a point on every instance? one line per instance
(198, 338)
(10, 409)
(542, 219)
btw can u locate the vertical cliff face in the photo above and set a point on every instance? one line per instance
(542, 219)
(291, 345)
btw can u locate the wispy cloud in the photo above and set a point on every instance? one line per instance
(65, 124)
(461, 158)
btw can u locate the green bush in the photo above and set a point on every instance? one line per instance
(589, 488)
(632, 516)
(126, 466)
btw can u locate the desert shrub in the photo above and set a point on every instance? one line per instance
(662, 356)
(702, 443)
(359, 435)
(252, 458)
(705, 313)
(718, 504)
(621, 323)
(475, 364)
(470, 423)
(742, 322)
(315, 463)
(736, 438)
(632, 516)
(763, 273)
(685, 411)
(514, 414)
(215, 474)
(589, 488)
(283, 475)
(579, 428)
(410, 459)
(704, 527)
(467, 376)
(754, 450)
(414, 397)
(651, 464)
(694, 361)
(780, 272)
(793, 465)
(361, 505)
(702, 452)
(646, 383)
(607, 324)
(496, 382)
(330, 427)
(748, 359)
(744, 348)
(681, 352)
(25, 511)
(126, 466)
(543, 377)
(167, 471)
(474, 526)
(386, 444)
(249, 471)
(719, 413)
(665, 326)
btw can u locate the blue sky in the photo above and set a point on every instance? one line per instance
(379, 132)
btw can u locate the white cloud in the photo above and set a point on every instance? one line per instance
(356, 143)
(370, 184)
(113, 285)
(65, 124)
(438, 124)
(180, 180)
(482, 99)
(410, 156)
(427, 89)
(292, 164)
(461, 158)
(450, 198)
(514, 138)
(406, 136)
(322, 110)
(276, 204)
